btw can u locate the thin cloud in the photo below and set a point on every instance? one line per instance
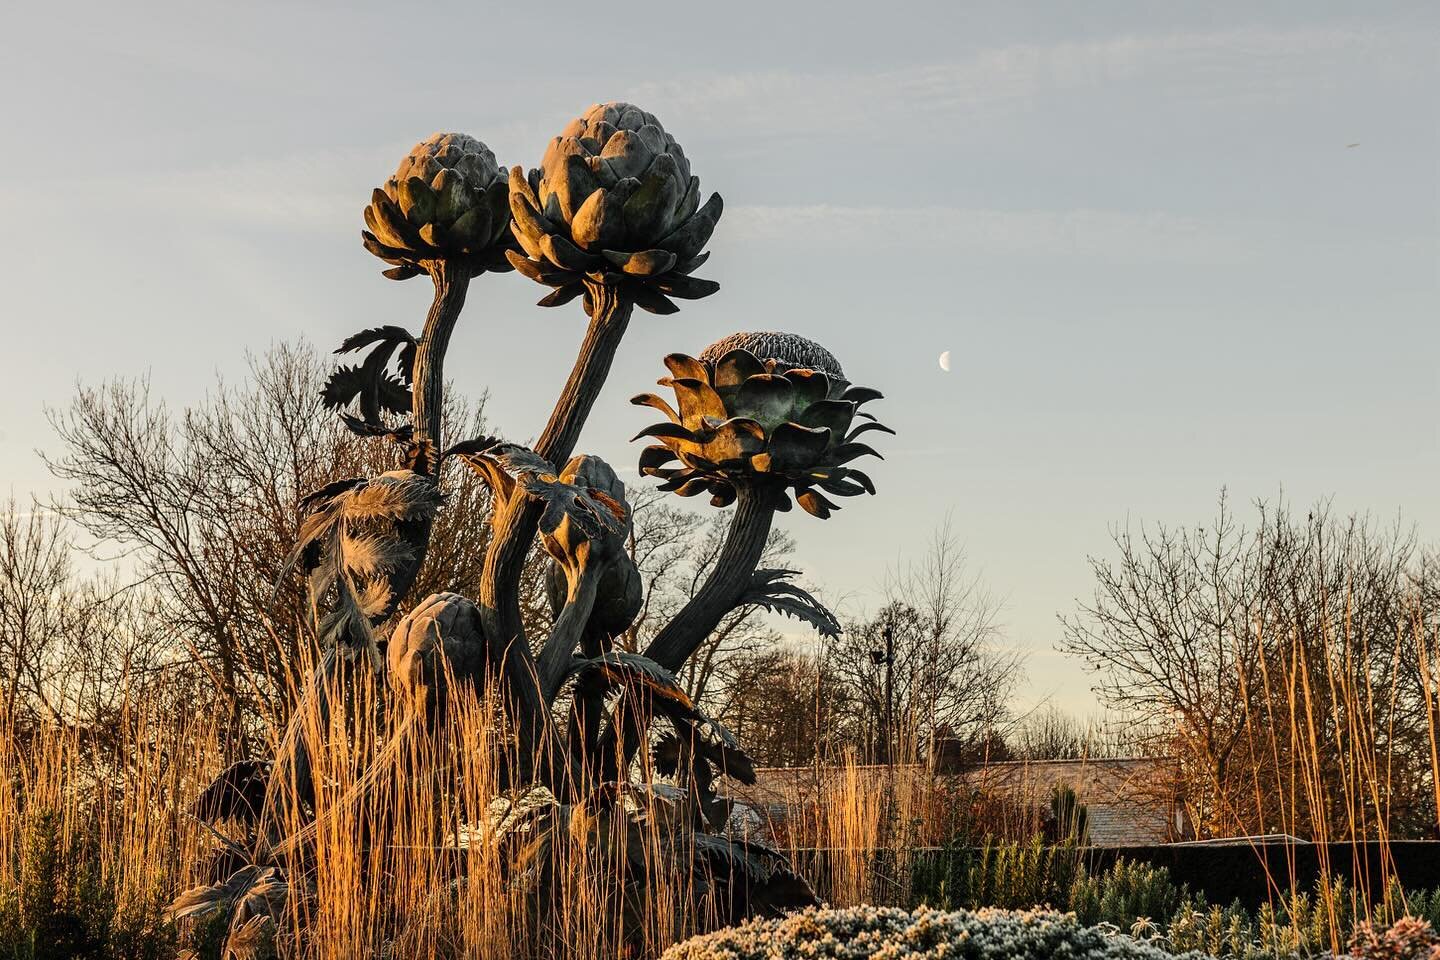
(1254, 65)
(1092, 234)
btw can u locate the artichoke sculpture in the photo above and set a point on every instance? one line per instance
(448, 200)
(771, 412)
(438, 642)
(613, 202)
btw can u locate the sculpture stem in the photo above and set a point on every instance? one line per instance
(740, 555)
(609, 318)
(515, 532)
(681, 637)
(515, 526)
(554, 659)
(451, 283)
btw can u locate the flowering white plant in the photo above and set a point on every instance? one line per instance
(889, 933)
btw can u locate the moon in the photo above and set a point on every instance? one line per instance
(945, 361)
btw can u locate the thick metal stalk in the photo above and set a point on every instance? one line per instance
(740, 555)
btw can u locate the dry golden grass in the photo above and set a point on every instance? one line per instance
(445, 883)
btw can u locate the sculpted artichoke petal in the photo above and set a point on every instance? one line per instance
(862, 478)
(681, 365)
(697, 400)
(665, 431)
(574, 186)
(473, 229)
(767, 398)
(417, 200)
(623, 191)
(653, 137)
(388, 254)
(688, 239)
(841, 487)
(694, 263)
(686, 288)
(382, 231)
(552, 163)
(810, 386)
(627, 155)
(689, 203)
(651, 300)
(394, 228)
(795, 449)
(497, 200)
(658, 402)
(849, 451)
(561, 295)
(451, 196)
(867, 427)
(735, 367)
(815, 503)
(862, 395)
(836, 415)
(528, 219)
(433, 234)
(648, 210)
(641, 263)
(565, 254)
(738, 439)
(538, 270)
(594, 225)
(552, 210)
(655, 457)
(604, 175)
(601, 131)
(692, 487)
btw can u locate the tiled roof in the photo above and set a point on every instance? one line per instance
(1133, 800)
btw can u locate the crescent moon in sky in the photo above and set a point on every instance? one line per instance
(945, 361)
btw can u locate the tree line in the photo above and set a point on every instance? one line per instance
(1287, 666)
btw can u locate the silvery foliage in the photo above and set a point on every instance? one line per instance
(924, 934)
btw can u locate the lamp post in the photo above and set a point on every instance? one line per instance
(885, 656)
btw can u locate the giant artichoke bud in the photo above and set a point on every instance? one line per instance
(769, 411)
(614, 202)
(441, 640)
(448, 200)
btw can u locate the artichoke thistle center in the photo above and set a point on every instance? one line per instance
(775, 422)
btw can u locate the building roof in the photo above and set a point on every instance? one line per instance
(1128, 800)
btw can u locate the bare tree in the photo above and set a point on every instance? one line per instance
(72, 646)
(205, 505)
(946, 671)
(1050, 733)
(791, 707)
(1278, 663)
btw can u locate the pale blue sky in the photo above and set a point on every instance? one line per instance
(1137, 226)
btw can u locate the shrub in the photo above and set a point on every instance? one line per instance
(1124, 894)
(1013, 876)
(860, 932)
(1406, 939)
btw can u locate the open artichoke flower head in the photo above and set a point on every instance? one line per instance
(448, 199)
(772, 412)
(614, 200)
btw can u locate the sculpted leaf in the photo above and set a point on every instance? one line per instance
(771, 590)
(619, 668)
